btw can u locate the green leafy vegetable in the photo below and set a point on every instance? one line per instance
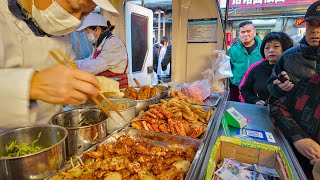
(15, 150)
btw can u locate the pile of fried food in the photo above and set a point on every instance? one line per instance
(174, 116)
(145, 92)
(119, 106)
(133, 159)
(180, 95)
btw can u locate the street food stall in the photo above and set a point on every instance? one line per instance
(164, 131)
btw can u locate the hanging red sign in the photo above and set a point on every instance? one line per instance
(228, 38)
(242, 4)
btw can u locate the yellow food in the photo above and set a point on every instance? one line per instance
(145, 92)
(181, 96)
(113, 176)
(109, 87)
(119, 106)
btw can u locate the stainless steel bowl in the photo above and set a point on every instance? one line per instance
(143, 104)
(81, 138)
(162, 92)
(118, 122)
(128, 114)
(37, 165)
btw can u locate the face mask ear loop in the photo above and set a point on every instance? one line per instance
(95, 42)
(94, 31)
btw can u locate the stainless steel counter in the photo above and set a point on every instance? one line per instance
(260, 120)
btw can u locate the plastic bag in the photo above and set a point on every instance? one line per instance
(199, 90)
(219, 70)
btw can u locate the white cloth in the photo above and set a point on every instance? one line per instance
(22, 53)
(113, 57)
(161, 57)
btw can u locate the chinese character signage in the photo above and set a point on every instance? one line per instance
(242, 4)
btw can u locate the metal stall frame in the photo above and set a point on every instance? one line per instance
(215, 132)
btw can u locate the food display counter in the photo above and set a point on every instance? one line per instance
(259, 120)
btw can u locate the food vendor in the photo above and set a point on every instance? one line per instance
(109, 57)
(32, 84)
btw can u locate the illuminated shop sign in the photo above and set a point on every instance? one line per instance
(241, 4)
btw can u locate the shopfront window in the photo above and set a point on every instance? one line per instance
(139, 43)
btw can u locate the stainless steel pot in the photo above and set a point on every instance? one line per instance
(162, 92)
(144, 104)
(128, 114)
(37, 165)
(112, 125)
(81, 138)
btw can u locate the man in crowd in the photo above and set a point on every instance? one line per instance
(299, 61)
(166, 62)
(156, 50)
(164, 44)
(243, 54)
(297, 115)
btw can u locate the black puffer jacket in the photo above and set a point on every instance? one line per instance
(299, 62)
(255, 86)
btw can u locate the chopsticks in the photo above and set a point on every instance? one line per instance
(92, 98)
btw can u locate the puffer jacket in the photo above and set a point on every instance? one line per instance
(241, 60)
(299, 62)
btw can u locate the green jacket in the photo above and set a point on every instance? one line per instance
(240, 60)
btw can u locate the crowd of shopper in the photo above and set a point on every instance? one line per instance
(287, 78)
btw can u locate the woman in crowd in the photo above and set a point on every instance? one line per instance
(254, 89)
(109, 58)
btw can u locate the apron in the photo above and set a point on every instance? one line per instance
(122, 78)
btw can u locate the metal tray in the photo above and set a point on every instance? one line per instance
(210, 123)
(155, 138)
(210, 101)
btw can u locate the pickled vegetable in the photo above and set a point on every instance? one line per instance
(15, 150)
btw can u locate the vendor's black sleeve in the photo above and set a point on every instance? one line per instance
(247, 90)
(167, 58)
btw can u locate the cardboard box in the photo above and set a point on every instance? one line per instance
(248, 152)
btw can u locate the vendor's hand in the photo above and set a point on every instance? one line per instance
(308, 148)
(261, 102)
(287, 85)
(63, 85)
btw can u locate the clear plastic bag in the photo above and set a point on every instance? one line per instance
(199, 90)
(219, 70)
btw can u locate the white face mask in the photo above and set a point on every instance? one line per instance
(91, 37)
(55, 20)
